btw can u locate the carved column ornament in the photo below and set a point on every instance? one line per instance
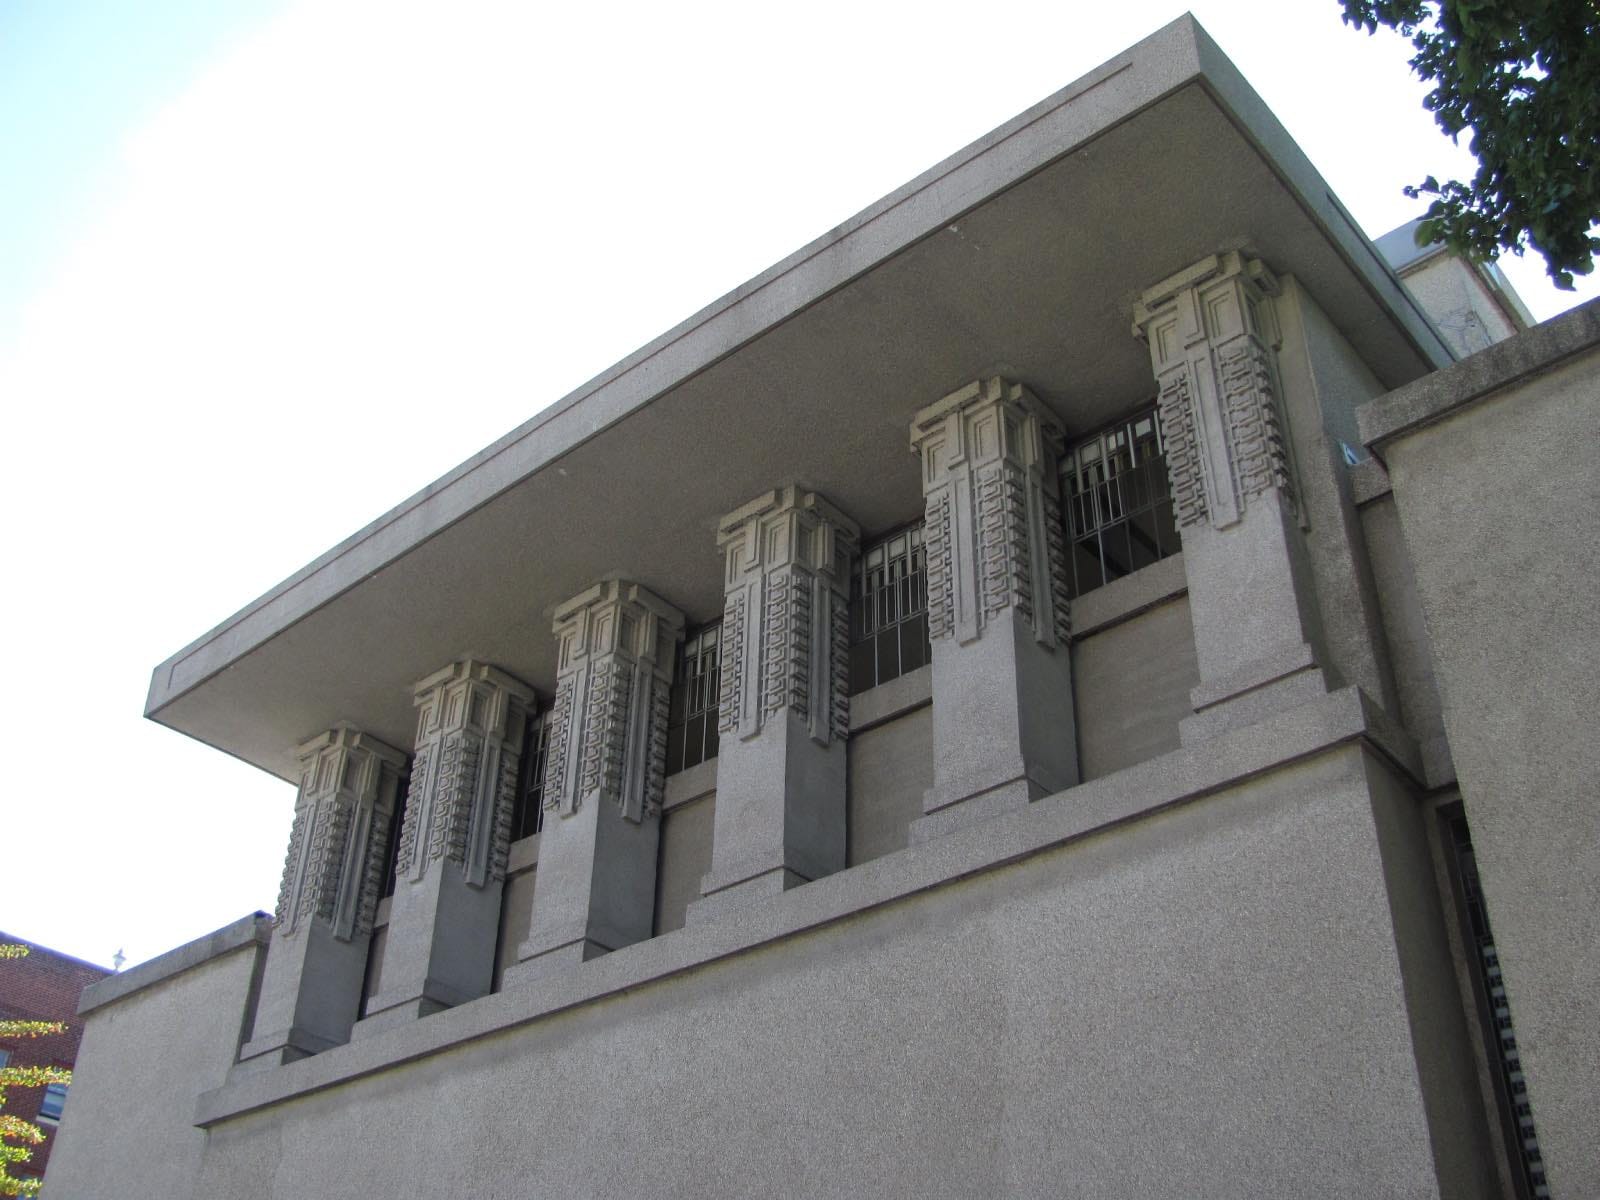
(608, 736)
(1212, 331)
(1213, 336)
(780, 819)
(786, 614)
(605, 777)
(993, 534)
(345, 806)
(471, 720)
(311, 987)
(997, 603)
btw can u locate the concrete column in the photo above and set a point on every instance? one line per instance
(605, 776)
(785, 714)
(1213, 334)
(311, 987)
(1003, 731)
(445, 916)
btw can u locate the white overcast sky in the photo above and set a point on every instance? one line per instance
(268, 268)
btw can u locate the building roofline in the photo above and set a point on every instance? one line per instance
(1176, 57)
(38, 948)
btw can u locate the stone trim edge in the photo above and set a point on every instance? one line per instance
(252, 930)
(1340, 718)
(1436, 397)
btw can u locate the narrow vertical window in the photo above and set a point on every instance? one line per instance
(391, 852)
(527, 818)
(889, 610)
(1495, 1008)
(1118, 502)
(692, 717)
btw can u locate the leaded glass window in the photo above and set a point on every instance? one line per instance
(692, 718)
(527, 818)
(889, 610)
(1118, 502)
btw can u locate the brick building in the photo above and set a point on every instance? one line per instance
(43, 986)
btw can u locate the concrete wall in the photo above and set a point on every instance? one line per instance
(1324, 382)
(1467, 314)
(1493, 464)
(1132, 683)
(890, 767)
(685, 857)
(516, 917)
(372, 980)
(145, 1058)
(1406, 637)
(1207, 1002)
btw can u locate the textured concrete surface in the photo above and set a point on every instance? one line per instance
(1325, 381)
(685, 858)
(850, 335)
(1469, 314)
(1064, 1026)
(1082, 812)
(1519, 361)
(1507, 579)
(784, 698)
(1406, 637)
(150, 1044)
(891, 766)
(1124, 598)
(516, 919)
(253, 929)
(1133, 682)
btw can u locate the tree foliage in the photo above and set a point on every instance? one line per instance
(1524, 77)
(16, 1135)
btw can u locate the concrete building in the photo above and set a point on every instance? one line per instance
(43, 985)
(1038, 693)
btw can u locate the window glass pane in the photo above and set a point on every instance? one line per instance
(889, 598)
(694, 699)
(888, 642)
(54, 1100)
(914, 643)
(694, 741)
(863, 666)
(1116, 502)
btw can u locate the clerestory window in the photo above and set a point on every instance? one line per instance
(1118, 502)
(889, 610)
(527, 816)
(692, 715)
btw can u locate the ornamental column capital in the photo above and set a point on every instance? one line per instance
(988, 453)
(343, 809)
(786, 613)
(1213, 333)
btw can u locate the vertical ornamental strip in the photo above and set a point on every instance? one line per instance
(605, 777)
(785, 707)
(1212, 333)
(454, 841)
(311, 988)
(1003, 730)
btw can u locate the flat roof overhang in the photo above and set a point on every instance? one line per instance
(1022, 254)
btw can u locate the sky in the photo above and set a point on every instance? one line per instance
(268, 268)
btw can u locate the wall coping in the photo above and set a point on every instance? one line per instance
(1341, 718)
(1123, 599)
(1436, 397)
(252, 930)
